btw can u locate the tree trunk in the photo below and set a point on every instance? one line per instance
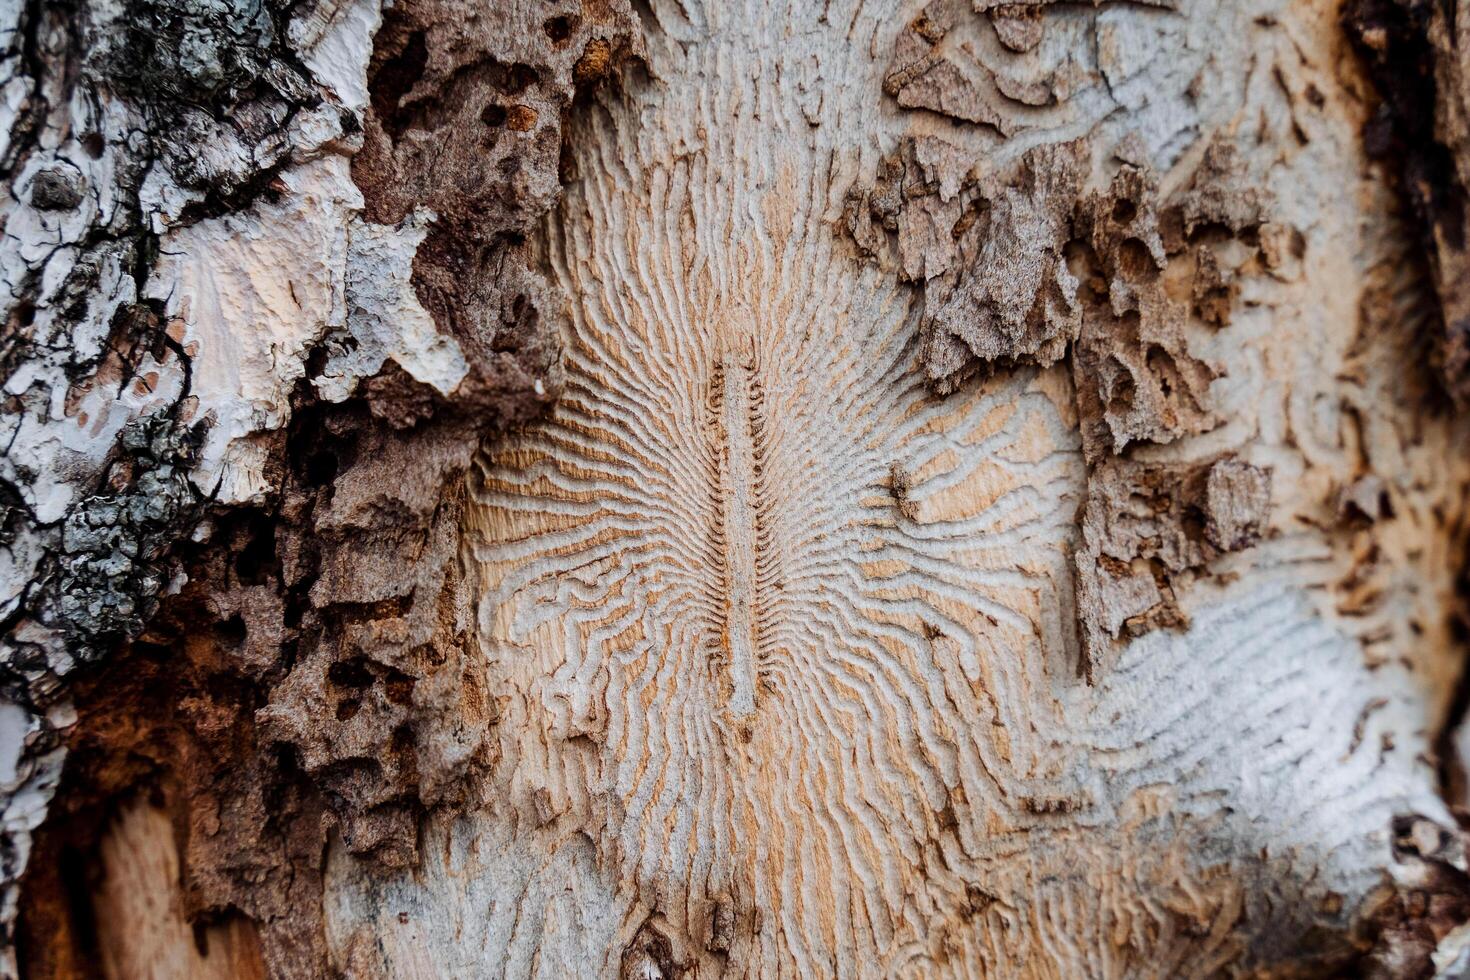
(761, 488)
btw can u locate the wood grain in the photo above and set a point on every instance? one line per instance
(784, 643)
(142, 931)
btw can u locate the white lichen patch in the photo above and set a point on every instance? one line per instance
(384, 317)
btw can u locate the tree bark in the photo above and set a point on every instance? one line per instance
(761, 488)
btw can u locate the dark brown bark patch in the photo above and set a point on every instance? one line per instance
(1421, 129)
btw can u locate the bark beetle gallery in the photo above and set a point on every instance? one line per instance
(761, 488)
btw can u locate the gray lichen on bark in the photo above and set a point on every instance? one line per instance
(112, 115)
(197, 282)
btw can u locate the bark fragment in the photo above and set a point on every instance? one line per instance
(1136, 378)
(1023, 306)
(384, 629)
(1030, 266)
(400, 320)
(1144, 527)
(924, 73)
(1419, 931)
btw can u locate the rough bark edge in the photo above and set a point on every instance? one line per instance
(282, 620)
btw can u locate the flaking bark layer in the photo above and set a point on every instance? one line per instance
(319, 606)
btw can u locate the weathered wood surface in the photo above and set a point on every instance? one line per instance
(998, 515)
(783, 642)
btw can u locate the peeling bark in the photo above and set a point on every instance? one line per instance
(281, 328)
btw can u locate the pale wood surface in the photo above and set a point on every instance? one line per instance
(141, 928)
(784, 644)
